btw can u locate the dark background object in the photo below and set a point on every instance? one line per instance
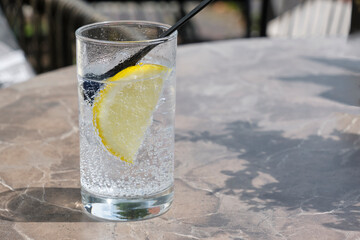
(45, 29)
(355, 17)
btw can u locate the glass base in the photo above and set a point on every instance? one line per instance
(127, 209)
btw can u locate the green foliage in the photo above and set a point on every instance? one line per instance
(129, 211)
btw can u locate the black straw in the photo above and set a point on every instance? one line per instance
(186, 18)
(131, 61)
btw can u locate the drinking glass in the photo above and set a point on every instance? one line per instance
(126, 121)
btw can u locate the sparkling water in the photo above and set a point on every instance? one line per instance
(151, 172)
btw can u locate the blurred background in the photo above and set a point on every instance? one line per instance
(37, 36)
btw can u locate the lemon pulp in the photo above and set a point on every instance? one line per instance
(123, 109)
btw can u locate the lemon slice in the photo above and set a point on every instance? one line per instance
(123, 109)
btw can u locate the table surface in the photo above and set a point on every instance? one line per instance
(267, 147)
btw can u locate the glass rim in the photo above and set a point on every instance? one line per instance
(80, 30)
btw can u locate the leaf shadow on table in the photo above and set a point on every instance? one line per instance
(315, 175)
(37, 204)
(343, 88)
(352, 65)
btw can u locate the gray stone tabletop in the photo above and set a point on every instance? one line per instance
(267, 147)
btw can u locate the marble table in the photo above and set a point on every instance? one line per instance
(267, 147)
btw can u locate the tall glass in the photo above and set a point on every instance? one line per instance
(126, 120)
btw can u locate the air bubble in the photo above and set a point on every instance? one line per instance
(104, 174)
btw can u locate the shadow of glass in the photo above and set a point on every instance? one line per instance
(42, 205)
(310, 175)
